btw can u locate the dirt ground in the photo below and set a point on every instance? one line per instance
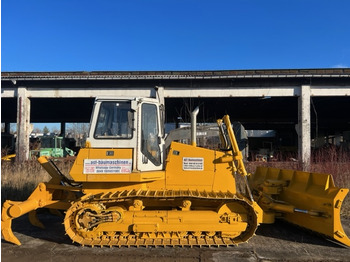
(278, 242)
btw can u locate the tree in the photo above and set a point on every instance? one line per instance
(36, 130)
(46, 130)
(55, 130)
(79, 131)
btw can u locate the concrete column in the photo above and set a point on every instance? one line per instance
(23, 125)
(160, 94)
(63, 129)
(7, 128)
(161, 99)
(304, 127)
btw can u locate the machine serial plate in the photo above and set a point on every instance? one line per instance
(107, 166)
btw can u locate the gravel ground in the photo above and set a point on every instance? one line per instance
(278, 242)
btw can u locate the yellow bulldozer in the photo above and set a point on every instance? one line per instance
(126, 188)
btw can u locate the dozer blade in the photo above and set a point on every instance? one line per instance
(309, 200)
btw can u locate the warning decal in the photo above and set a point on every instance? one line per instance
(193, 163)
(107, 166)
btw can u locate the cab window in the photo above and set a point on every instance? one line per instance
(114, 121)
(149, 134)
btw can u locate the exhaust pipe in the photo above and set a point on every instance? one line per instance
(194, 126)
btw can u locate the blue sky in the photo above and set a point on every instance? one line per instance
(68, 35)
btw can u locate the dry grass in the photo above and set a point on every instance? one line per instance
(18, 180)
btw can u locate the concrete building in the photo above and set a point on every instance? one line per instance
(300, 103)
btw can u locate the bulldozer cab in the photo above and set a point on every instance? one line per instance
(132, 124)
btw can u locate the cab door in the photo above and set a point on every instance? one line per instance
(149, 138)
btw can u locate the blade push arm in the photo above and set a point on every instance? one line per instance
(229, 142)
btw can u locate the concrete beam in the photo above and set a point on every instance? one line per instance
(24, 127)
(8, 92)
(89, 92)
(167, 92)
(330, 91)
(304, 127)
(180, 91)
(276, 91)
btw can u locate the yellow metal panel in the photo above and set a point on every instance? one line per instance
(207, 175)
(132, 177)
(77, 171)
(101, 153)
(173, 221)
(175, 173)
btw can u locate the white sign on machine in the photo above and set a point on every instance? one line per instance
(193, 163)
(107, 166)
